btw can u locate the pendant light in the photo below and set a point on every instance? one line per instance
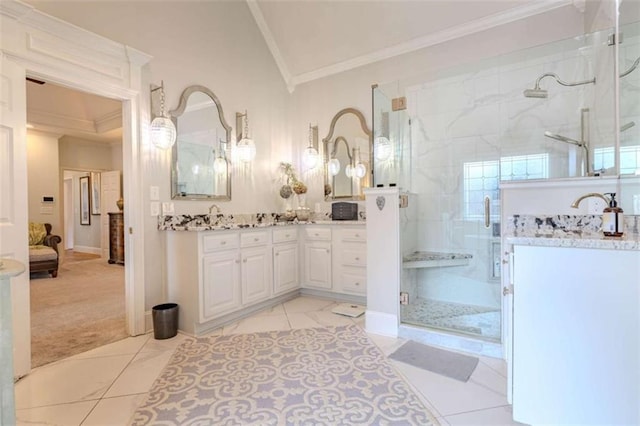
(246, 147)
(162, 130)
(310, 157)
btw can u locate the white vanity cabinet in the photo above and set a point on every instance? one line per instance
(255, 266)
(211, 274)
(576, 335)
(350, 260)
(316, 271)
(286, 260)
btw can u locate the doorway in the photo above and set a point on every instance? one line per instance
(84, 306)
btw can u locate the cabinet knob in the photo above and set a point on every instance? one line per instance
(277, 254)
(244, 260)
(357, 284)
(256, 239)
(328, 251)
(357, 258)
(237, 261)
(223, 243)
(316, 234)
(286, 235)
(357, 235)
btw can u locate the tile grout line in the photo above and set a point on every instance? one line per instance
(114, 380)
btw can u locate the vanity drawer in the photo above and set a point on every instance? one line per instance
(219, 242)
(285, 235)
(354, 234)
(317, 233)
(354, 257)
(354, 282)
(251, 239)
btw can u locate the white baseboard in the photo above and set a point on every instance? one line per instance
(148, 322)
(86, 249)
(381, 323)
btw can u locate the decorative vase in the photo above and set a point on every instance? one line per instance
(120, 203)
(302, 200)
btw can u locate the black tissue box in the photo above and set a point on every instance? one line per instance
(344, 211)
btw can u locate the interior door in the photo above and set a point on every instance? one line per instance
(13, 202)
(109, 194)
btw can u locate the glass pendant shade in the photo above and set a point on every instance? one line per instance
(163, 132)
(382, 148)
(220, 166)
(349, 170)
(360, 170)
(310, 157)
(246, 150)
(333, 166)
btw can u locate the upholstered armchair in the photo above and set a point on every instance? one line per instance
(43, 249)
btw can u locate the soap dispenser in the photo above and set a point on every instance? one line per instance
(612, 218)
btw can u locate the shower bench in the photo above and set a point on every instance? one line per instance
(434, 259)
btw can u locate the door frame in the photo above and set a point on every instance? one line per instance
(66, 55)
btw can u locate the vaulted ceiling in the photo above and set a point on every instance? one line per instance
(309, 39)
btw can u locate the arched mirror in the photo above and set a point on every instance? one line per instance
(200, 169)
(347, 156)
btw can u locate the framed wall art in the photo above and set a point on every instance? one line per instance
(85, 202)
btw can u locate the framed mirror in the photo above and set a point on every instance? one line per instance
(347, 156)
(199, 168)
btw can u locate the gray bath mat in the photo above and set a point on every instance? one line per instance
(450, 364)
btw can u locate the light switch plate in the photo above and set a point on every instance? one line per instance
(154, 193)
(155, 208)
(167, 208)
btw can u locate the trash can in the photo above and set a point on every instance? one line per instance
(165, 320)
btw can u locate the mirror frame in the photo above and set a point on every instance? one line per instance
(175, 114)
(325, 145)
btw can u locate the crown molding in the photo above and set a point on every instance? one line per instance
(109, 121)
(449, 34)
(271, 42)
(50, 119)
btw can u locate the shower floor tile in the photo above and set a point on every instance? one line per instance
(479, 321)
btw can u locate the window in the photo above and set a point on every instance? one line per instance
(482, 179)
(604, 158)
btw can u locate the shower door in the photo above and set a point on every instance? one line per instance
(450, 237)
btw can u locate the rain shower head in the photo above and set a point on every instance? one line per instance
(563, 138)
(537, 92)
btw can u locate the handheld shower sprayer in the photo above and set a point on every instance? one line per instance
(537, 92)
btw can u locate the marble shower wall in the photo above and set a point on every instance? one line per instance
(479, 113)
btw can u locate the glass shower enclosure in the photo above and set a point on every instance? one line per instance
(455, 134)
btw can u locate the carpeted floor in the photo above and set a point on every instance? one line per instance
(318, 376)
(83, 308)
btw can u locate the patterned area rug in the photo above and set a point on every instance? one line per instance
(321, 376)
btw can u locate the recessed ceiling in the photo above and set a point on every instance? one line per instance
(56, 109)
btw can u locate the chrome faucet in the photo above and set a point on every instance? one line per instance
(576, 203)
(214, 206)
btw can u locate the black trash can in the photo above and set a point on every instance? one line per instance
(165, 320)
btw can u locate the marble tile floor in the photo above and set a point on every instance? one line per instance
(103, 386)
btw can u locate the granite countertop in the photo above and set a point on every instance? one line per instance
(593, 241)
(573, 231)
(242, 221)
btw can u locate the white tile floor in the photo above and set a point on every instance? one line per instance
(103, 386)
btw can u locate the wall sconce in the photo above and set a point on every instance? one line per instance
(245, 145)
(310, 156)
(356, 169)
(162, 129)
(382, 145)
(220, 163)
(333, 166)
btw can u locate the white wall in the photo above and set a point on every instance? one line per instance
(319, 100)
(214, 44)
(43, 176)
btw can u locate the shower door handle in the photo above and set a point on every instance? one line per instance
(487, 212)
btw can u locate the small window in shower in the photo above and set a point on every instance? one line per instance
(482, 178)
(604, 158)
